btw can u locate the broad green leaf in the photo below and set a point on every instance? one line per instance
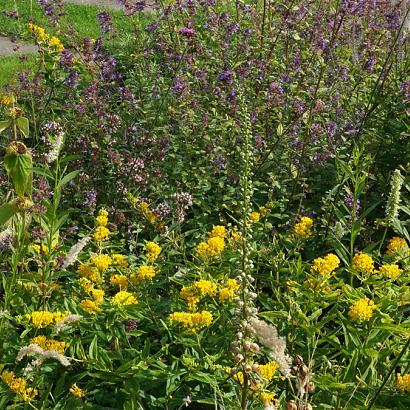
(6, 212)
(4, 125)
(23, 125)
(68, 178)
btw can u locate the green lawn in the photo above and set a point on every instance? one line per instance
(82, 18)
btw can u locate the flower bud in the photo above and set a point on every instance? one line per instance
(310, 388)
(255, 368)
(255, 347)
(246, 345)
(238, 358)
(248, 368)
(291, 405)
(307, 406)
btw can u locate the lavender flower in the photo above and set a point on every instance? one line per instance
(105, 21)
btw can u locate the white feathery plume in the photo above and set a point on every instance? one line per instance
(74, 251)
(53, 154)
(268, 336)
(33, 349)
(68, 319)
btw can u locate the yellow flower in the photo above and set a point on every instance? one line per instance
(153, 251)
(120, 260)
(40, 249)
(363, 263)
(304, 227)
(205, 287)
(90, 306)
(98, 295)
(101, 220)
(119, 280)
(102, 261)
(56, 43)
(263, 210)
(326, 266)
(103, 212)
(236, 236)
(255, 216)
(268, 399)
(89, 272)
(76, 391)
(403, 382)
(18, 385)
(202, 250)
(218, 231)
(42, 318)
(391, 271)
(5, 100)
(397, 244)
(192, 322)
(123, 298)
(146, 272)
(49, 344)
(228, 292)
(101, 233)
(362, 309)
(268, 370)
(190, 296)
(215, 245)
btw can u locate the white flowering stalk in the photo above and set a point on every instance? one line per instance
(268, 336)
(75, 251)
(392, 207)
(67, 320)
(35, 350)
(55, 151)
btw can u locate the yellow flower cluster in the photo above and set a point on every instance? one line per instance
(304, 227)
(153, 251)
(89, 272)
(146, 212)
(268, 399)
(192, 322)
(49, 344)
(52, 42)
(44, 318)
(40, 248)
(5, 100)
(254, 216)
(363, 263)
(102, 262)
(76, 391)
(144, 272)
(403, 382)
(236, 235)
(102, 218)
(362, 310)
(92, 305)
(119, 280)
(326, 266)
(268, 370)
(18, 385)
(228, 291)
(391, 271)
(218, 231)
(192, 294)
(119, 260)
(123, 298)
(101, 233)
(397, 244)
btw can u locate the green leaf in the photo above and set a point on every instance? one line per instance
(68, 178)
(93, 349)
(6, 212)
(23, 125)
(19, 169)
(4, 125)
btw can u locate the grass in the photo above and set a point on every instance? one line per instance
(82, 18)
(10, 65)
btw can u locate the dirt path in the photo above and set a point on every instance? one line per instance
(108, 3)
(9, 48)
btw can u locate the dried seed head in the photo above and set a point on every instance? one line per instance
(310, 388)
(291, 405)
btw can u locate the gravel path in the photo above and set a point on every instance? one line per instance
(108, 3)
(9, 48)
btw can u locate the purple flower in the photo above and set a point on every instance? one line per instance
(349, 201)
(91, 198)
(226, 76)
(105, 21)
(187, 31)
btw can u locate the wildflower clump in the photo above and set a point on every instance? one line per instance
(101, 232)
(362, 310)
(145, 272)
(52, 42)
(49, 344)
(119, 280)
(123, 298)
(268, 370)
(303, 228)
(403, 382)
(363, 263)
(89, 272)
(215, 243)
(218, 231)
(18, 385)
(326, 266)
(153, 251)
(396, 245)
(44, 318)
(391, 271)
(76, 391)
(254, 216)
(228, 292)
(102, 218)
(119, 260)
(192, 294)
(92, 306)
(192, 322)
(101, 262)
